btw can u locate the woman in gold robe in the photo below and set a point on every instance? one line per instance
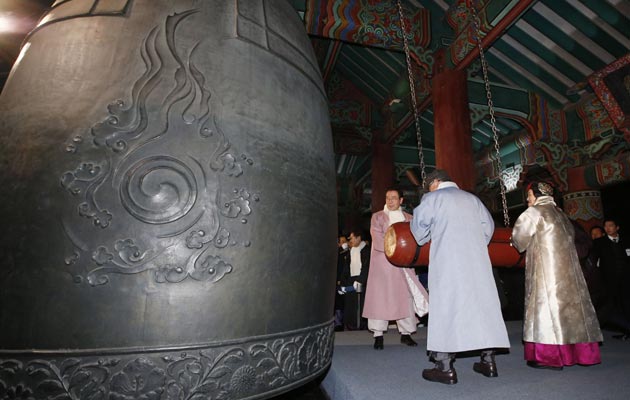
(560, 327)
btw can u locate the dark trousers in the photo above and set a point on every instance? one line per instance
(353, 310)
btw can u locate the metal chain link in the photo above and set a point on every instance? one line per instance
(484, 67)
(412, 88)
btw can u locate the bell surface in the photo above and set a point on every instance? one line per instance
(169, 210)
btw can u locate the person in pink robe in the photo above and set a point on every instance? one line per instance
(393, 293)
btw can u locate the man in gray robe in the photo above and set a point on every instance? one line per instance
(464, 308)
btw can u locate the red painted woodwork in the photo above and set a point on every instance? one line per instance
(383, 172)
(402, 250)
(453, 143)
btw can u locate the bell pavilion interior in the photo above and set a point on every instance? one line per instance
(498, 93)
(556, 72)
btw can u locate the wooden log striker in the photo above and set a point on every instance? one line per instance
(401, 248)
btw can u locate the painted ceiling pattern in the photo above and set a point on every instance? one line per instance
(544, 58)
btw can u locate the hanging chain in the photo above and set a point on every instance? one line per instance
(412, 88)
(484, 67)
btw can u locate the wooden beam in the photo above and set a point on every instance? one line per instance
(511, 17)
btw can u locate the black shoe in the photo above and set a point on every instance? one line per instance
(448, 377)
(378, 343)
(339, 328)
(623, 336)
(406, 339)
(536, 365)
(488, 369)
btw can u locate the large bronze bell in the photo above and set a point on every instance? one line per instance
(167, 204)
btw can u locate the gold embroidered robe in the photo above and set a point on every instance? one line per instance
(558, 307)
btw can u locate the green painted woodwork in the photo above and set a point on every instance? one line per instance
(409, 155)
(532, 68)
(504, 97)
(496, 10)
(547, 55)
(558, 36)
(520, 80)
(579, 21)
(611, 16)
(441, 32)
(575, 127)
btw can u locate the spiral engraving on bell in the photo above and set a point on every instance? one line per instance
(180, 195)
(159, 190)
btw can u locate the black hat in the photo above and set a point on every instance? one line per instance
(438, 174)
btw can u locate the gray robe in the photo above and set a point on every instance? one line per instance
(558, 308)
(464, 309)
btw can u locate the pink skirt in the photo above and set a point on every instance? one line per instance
(559, 355)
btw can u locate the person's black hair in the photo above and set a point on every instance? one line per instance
(395, 189)
(436, 174)
(357, 232)
(613, 220)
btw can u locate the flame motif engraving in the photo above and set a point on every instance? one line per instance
(173, 194)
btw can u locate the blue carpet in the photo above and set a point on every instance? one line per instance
(359, 372)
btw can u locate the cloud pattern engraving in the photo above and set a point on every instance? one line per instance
(170, 216)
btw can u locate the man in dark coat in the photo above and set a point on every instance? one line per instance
(354, 280)
(612, 254)
(343, 258)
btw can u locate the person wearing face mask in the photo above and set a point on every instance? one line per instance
(393, 293)
(343, 257)
(560, 327)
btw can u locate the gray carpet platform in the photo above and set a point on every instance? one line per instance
(359, 372)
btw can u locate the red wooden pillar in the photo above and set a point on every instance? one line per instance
(383, 171)
(453, 139)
